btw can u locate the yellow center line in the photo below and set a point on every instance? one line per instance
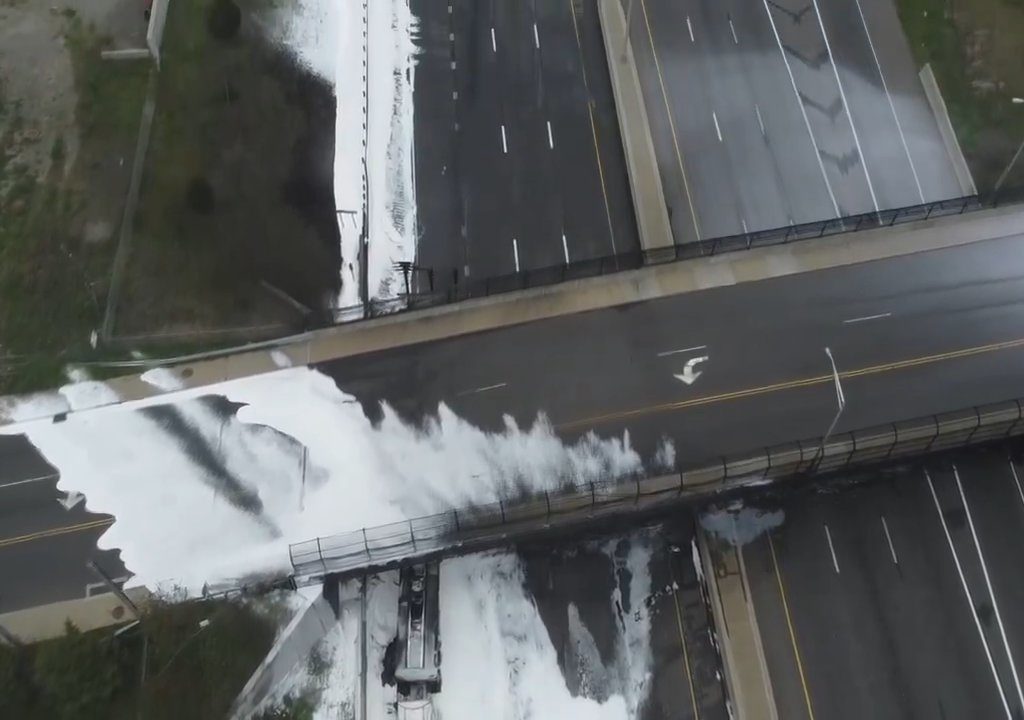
(600, 172)
(793, 384)
(671, 120)
(682, 641)
(579, 43)
(593, 126)
(53, 532)
(789, 624)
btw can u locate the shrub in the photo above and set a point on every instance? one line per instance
(77, 674)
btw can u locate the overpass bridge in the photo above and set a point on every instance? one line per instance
(577, 507)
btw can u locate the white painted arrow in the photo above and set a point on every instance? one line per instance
(73, 498)
(690, 375)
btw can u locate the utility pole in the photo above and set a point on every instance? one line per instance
(1013, 160)
(840, 401)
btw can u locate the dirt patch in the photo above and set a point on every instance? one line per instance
(976, 48)
(67, 129)
(236, 213)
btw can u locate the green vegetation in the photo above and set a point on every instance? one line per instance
(52, 282)
(191, 671)
(215, 215)
(976, 49)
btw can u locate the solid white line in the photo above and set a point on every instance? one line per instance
(536, 37)
(1016, 479)
(29, 480)
(565, 249)
(684, 350)
(867, 317)
(718, 130)
(849, 113)
(803, 110)
(483, 389)
(988, 584)
(515, 252)
(888, 537)
(551, 138)
(970, 598)
(733, 29)
(504, 139)
(494, 42)
(690, 28)
(832, 549)
(899, 125)
(760, 121)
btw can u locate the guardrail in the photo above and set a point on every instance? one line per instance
(475, 528)
(708, 247)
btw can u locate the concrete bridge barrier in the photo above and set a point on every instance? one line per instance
(476, 528)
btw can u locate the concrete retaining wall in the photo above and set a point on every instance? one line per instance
(949, 139)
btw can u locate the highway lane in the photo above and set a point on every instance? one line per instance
(912, 336)
(589, 583)
(44, 547)
(876, 604)
(797, 110)
(614, 370)
(518, 163)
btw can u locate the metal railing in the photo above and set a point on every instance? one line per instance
(475, 528)
(708, 247)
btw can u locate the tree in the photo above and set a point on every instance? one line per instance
(77, 674)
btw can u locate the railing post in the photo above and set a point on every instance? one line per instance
(458, 528)
(935, 436)
(637, 500)
(547, 502)
(501, 506)
(1020, 415)
(412, 536)
(593, 496)
(366, 545)
(320, 554)
(977, 424)
(895, 441)
(681, 486)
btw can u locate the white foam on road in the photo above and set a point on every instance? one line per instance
(392, 69)
(201, 497)
(367, 53)
(350, 139)
(498, 660)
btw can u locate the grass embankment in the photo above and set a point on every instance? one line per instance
(976, 49)
(52, 280)
(190, 672)
(237, 186)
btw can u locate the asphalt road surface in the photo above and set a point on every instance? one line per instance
(519, 162)
(898, 599)
(685, 669)
(774, 112)
(912, 336)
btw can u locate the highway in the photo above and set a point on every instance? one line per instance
(582, 577)
(519, 162)
(877, 601)
(912, 336)
(769, 113)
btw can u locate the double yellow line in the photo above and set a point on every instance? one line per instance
(791, 384)
(53, 532)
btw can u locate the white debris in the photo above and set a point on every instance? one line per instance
(498, 658)
(202, 496)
